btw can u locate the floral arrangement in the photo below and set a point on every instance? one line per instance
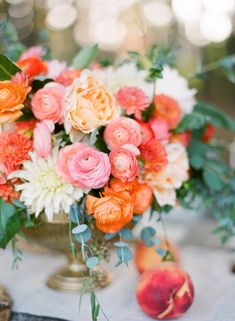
(104, 144)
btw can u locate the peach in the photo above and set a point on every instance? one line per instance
(165, 292)
(147, 257)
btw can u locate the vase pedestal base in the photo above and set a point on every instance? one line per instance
(76, 277)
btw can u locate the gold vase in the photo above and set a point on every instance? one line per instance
(54, 235)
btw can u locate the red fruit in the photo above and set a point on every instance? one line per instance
(147, 258)
(165, 292)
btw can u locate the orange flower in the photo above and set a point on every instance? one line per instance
(112, 211)
(168, 109)
(26, 127)
(140, 193)
(33, 66)
(67, 77)
(12, 96)
(153, 154)
(14, 149)
(8, 193)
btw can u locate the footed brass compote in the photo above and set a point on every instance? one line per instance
(54, 235)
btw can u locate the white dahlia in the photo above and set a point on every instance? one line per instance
(43, 189)
(176, 86)
(125, 75)
(171, 176)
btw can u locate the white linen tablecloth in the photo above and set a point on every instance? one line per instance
(209, 268)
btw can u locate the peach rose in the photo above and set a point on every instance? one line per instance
(48, 103)
(141, 193)
(122, 131)
(124, 164)
(84, 166)
(12, 96)
(112, 211)
(89, 104)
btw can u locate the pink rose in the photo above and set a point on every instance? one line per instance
(35, 51)
(84, 166)
(48, 103)
(124, 164)
(160, 129)
(42, 138)
(122, 131)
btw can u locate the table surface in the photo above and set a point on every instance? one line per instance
(209, 268)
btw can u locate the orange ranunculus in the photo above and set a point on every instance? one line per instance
(112, 211)
(140, 193)
(12, 96)
(33, 66)
(168, 109)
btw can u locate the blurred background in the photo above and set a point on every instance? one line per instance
(202, 31)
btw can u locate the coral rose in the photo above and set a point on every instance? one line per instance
(12, 96)
(122, 131)
(89, 104)
(161, 129)
(33, 66)
(146, 132)
(84, 166)
(124, 164)
(48, 103)
(112, 211)
(167, 109)
(133, 100)
(141, 193)
(67, 77)
(153, 154)
(208, 133)
(182, 138)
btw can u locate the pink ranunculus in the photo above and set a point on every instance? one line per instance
(122, 131)
(42, 138)
(84, 166)
(124, 164)
(48, 103)
(133, 100)
(160, 129)
(35, 51)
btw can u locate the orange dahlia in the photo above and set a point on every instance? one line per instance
(8, 193)
(167, 109)
(14, 149)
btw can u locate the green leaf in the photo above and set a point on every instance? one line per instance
(191, 121)
(97, 140)
(213, 181)
(9, 223)
(85, 56)
(7, 68)
(214, 116)
(146, 115)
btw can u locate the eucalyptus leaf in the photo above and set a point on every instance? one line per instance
(84, 237)
(213, 181)
(85, 56)
(91, 262)
(121, 244)
(126, 234)
(79, 229)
